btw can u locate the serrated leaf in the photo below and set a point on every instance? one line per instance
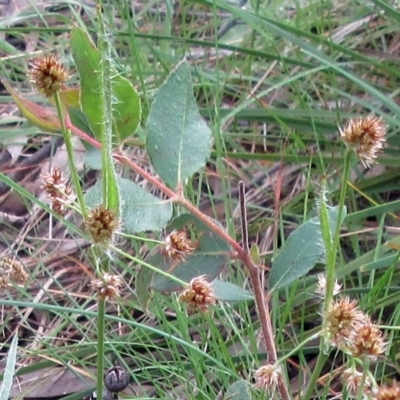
(227, 291)
(140, 210)
(38, 116)
(302, 250)
(10, 369)
(178, 139)
(208, 259)
(238, 391)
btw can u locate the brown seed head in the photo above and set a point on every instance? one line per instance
(343, 316)
(267, 377)
(48, 74)
(102, 224)
(4, 281)
(366, 136)
(178, 245)
(199, 295)
(388, 392)
(59, 191)
(14, 271)
(353, 379)
(366, 340)
(108, 286)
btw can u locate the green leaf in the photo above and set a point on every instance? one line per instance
(78, 119)
(142, 286)
(92, 157)
(303, 249)
(126, 102)
(38, 116)
(88, 62)
(126, 109)
(10, 369)
(178, 139)
(238, 391)
(226, 291)
(208, 259)
(140, 210)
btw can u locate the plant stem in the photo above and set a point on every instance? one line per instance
(71, 156)
(361, 389)
(331, 249)
(262, 304)
(332, 252)
(312, 384)
(101, 312)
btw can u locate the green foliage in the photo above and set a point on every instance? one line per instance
(140, 210)
(238, 391)
(10, 369)
(37, 115)
(274, 89)
(178, 139)
(302, 250)
(209, 257)
(226, 291)
(126, 101)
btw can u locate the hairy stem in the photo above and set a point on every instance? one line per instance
(71, 156)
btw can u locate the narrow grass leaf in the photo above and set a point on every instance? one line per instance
(303, 249)
(10, 369)
(178, 139)
(227, 291)
(143, 281)
(238, 391)
(140, 210)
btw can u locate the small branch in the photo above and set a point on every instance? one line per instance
(243, 214)
(259, 294)
(180, 200)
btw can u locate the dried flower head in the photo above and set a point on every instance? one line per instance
(366, 340)
(267, 377)
(13, 270)
(3, 281)
(366, 136)
(320, 290)
(353, 379)
(59, 191)
(342, 318)
(178, 245)
(388, 392)
(48, 74)
(108, 286)
(102, 224)
(199, 295)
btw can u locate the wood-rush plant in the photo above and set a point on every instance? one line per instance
(103, 112)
